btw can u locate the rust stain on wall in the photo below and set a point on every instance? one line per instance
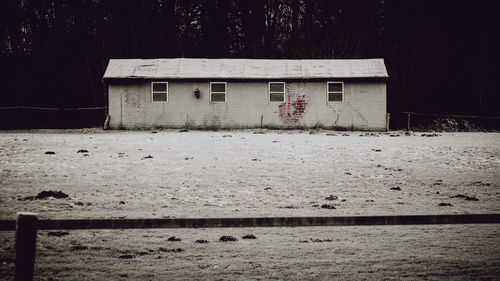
(291, 112)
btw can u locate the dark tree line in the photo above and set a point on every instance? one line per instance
(442, 56)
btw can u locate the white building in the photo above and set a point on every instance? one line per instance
(246, 93)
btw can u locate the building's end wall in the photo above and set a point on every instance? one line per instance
(247, 106)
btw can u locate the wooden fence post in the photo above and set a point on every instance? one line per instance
(408, 128)
(106, 123)
(388, 121)
(26, 225)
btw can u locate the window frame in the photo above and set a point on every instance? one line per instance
(334, 92)
(211, 92)
(158, 92)
(269, 90)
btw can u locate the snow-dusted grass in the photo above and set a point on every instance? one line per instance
(429, 252)
(240, 174)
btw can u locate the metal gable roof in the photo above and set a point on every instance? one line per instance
(184, 68)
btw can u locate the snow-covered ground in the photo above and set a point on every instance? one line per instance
(247, 173)
(255, 173)
(428, 252)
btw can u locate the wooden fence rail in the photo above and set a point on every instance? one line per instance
(52, 108)
(9, 225)
(27, 225)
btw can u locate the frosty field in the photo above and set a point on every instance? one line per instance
(239, 173)
(250, 173)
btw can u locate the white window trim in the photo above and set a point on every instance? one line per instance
(328, 92)
(269, 90)
(159, 92)
(225, 92)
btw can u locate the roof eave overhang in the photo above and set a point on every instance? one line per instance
(255, 79)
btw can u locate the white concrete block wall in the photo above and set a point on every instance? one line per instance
(247, 105)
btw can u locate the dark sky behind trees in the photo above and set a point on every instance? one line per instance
(442, 56)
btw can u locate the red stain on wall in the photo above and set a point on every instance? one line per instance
(291, 112)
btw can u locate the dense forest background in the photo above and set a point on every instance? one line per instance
(442, 56)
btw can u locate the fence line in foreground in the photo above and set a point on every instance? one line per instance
(9, 225)
(27, 225)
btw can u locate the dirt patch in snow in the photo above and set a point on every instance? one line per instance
(45, 195)
(58, 233)
(227, 238)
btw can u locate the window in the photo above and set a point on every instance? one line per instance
(159, 91)
(277, 91)
(218, 91)
(335, 91)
